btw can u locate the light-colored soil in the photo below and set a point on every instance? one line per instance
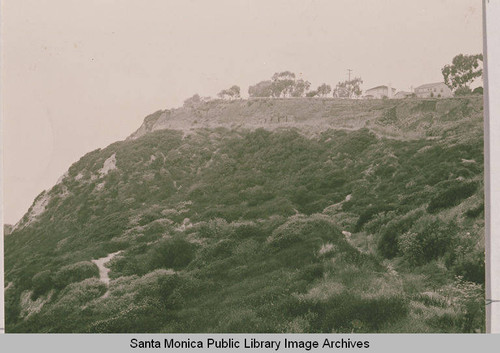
(103, 270)
(394, 119)
(109, 164)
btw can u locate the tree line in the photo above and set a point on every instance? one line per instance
(458, 76)
(286, 84)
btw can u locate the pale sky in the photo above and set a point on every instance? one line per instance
(79, 75)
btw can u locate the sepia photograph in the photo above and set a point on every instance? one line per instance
(237, 166)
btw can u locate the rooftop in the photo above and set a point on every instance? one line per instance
(383, 86)
(429, 85)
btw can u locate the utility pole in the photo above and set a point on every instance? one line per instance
(349, 74)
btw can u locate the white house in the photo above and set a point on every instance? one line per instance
(437, 90)
(380, 92)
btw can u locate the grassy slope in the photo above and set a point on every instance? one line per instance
(234, 230)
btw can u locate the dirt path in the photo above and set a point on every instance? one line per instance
(103, 270)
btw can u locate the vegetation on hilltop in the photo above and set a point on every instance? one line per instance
(458, 76)
(348, 88)
(463, 70)
(282, 85)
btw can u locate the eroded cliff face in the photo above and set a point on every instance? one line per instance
(402, 119)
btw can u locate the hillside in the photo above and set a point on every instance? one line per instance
(272, 215)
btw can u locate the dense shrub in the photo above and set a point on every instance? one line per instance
(248, 230)
(426, 106)
(145, 316)
(82, 292)
(312, 272)
(316, 228)
(369, 213)
(463, 91)
(215, 228)
(216, 250)
(466, 258)
(347, 313)
(42, 282)
(297, 242)
(390, 116)
(154, 231)
(149, 217)
(173, 253)
(471, 267)
(387, 244)
(75, 273)
(428, 239)
(451, 196)
(476, 211)
(468, 299)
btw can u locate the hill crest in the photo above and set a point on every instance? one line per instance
(401, 119)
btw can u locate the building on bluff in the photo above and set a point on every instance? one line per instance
(380, 92)
(437, 90)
